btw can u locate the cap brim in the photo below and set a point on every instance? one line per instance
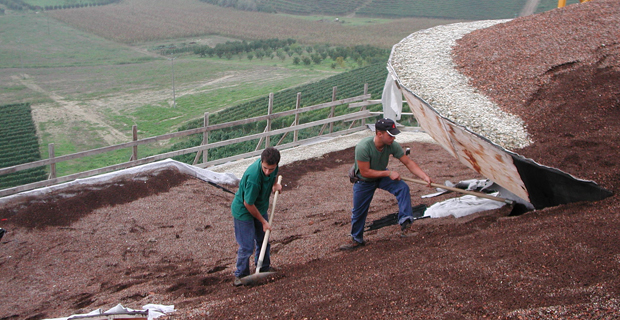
(393, 132)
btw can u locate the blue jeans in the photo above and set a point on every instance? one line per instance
(250, 235)
(363, 193)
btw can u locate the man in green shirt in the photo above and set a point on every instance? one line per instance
(250, 210)
(372, 155)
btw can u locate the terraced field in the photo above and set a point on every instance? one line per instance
(18, 144)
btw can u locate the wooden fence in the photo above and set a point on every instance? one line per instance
(362, 114)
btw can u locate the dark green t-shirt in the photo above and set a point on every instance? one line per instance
(254, 188)
(366, 151)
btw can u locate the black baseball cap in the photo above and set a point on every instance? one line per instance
(387, 125)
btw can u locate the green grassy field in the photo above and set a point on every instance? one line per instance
(36, 41)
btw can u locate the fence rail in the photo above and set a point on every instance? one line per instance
(205, 146)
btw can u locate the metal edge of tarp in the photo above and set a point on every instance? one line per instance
(539, 185)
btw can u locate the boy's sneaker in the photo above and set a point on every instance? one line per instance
(352, 245)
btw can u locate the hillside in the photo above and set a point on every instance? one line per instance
(137, 21)
(168, 238)
(445, 9)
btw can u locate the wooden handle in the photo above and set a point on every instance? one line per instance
(263, 248)
(275, 198)
(473, 193)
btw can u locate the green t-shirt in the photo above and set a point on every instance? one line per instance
(366, 151)
(254, 188)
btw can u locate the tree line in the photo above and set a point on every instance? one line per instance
(20, 5)
(246, 5)
(283, 49)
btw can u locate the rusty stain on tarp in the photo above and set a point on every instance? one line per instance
(479, 154)
(536, 184)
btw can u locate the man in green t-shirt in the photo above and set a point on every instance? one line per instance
(372, 155)
(250, 211)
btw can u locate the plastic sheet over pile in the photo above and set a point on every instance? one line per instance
(462, 206)
(457, 207)
(202, 174)
(468, 204)
(149, 311)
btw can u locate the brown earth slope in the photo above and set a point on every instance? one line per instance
(172, 242)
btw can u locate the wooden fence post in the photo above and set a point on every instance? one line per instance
(52, 155)
(134, 131)
(364, 107)
(362, 121)
(269, 111)
(297, 104)
(333, 111)
(205, 140)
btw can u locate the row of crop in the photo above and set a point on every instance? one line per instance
(22, 149)
(18, 124)
(19, 132)
(24, 5)
(18, 144)
(328, 7)
(18, 137)
(449, 9)
(24, 154)
(315, 6)
(234, 47)
(347, 85)
(22, 177)
(81, 5)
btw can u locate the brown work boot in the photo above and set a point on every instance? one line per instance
(405, 229)
(405, 226)
(237, 282)
(352, 245)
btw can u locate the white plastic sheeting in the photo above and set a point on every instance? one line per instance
(392, 99)
(152, 311)
(202, 174)
(462, 206)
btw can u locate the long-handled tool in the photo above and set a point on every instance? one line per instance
(473, 193)
(251, 279)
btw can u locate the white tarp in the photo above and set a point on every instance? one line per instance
(392, 99)
(202, 174)
(152, 310)
(462, 206)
